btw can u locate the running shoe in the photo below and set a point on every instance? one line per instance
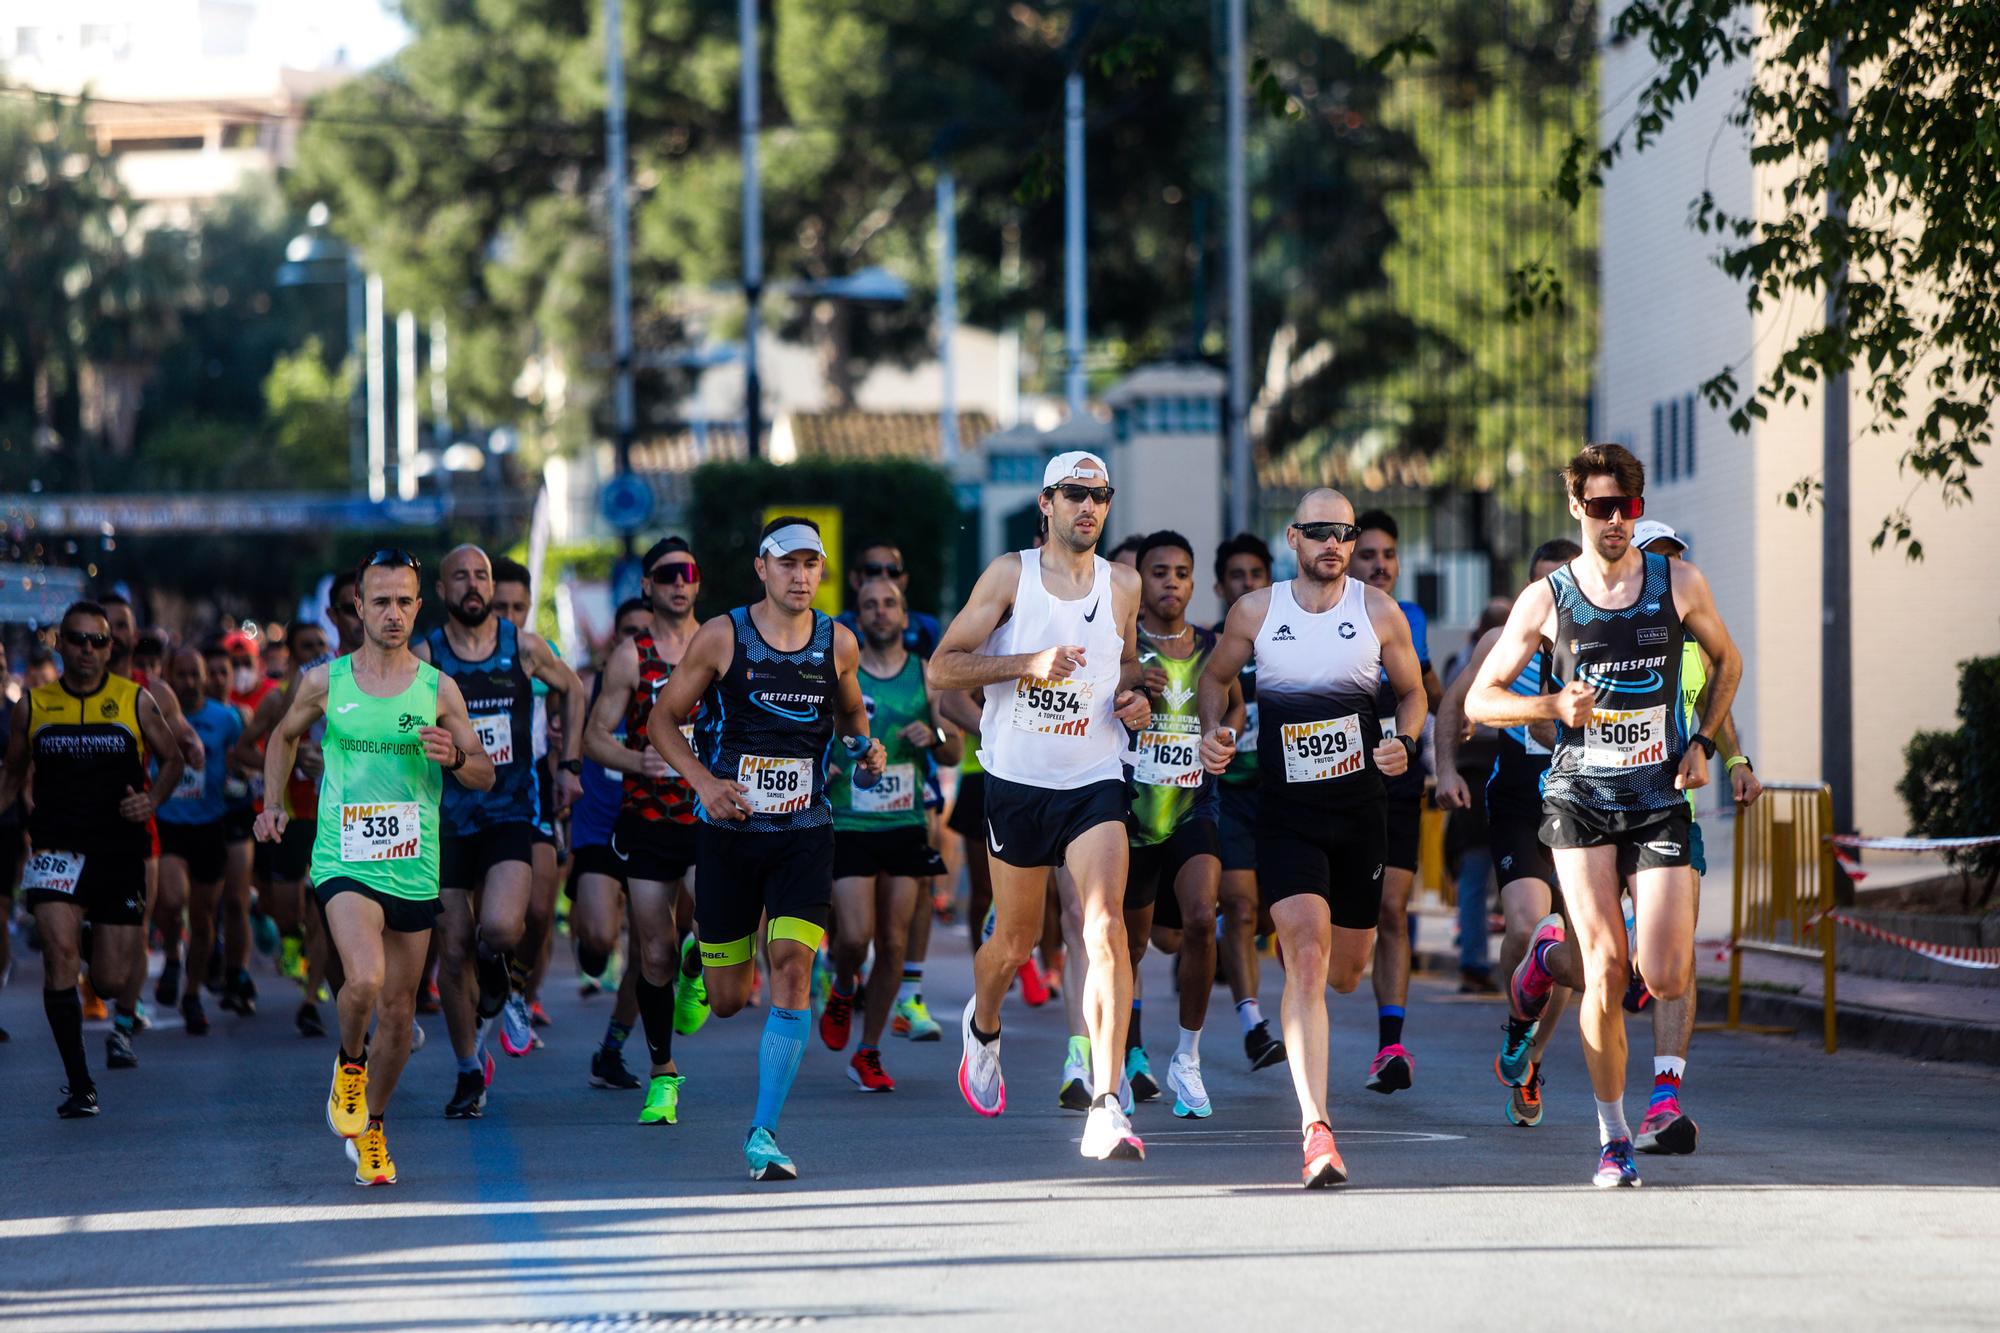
(78, 1105)
(865, 1071)
(913, 1020)
(1637, 997)
(1108, 1135)
(193, 1017)
(292, 958)
(264, 933)
(607, 1070)
(1615, 1167)
(347, 1100)
(94, 1010)
(1034, 991)
(537, 1016)
(1667, 1130)
(1524, 1101)
(766, 1162)
(494, 984)
(307, 1020)
(691, 996)
(1391, 1069)
(979, 1079)
(1263, 1049)
(517, 1027)
(836, 1021)
(1511, 1065)
(1528, 988)
(1139, 1073)
(822, 982)
(468, 1098)
(485, 1065)
(1075, 1094)
(428, 999)
(417, 1037)
(1323, 1166)
(370, 1155)
(663, 1100)
(167, 992)
(1190, 1094)
(118, 1052)
(142, 1018)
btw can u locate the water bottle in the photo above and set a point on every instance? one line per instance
(856, 747)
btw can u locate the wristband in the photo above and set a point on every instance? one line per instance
(1410, 747)
(573, 767)
(459, 762)
(1704, 742)
(1735, 762)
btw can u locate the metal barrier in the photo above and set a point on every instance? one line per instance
(1784, 879)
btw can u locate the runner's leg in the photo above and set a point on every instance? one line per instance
(1096, 859)
(895, 907)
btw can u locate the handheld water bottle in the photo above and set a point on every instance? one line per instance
(856, 747)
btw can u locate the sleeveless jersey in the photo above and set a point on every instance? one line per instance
(1169, 785)
(1242, 770)
(596, 810)
(1514, 789)
(1624, 759)
(768, 723)
(500, 697)
(379, 796)
(86, 750)
(1316, 681)
(1057, 735)
(1694, 679)
(198, 798)
(654, 799)
(897, 799)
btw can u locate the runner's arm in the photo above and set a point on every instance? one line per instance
(169, 705)
(1700, 618)
(249, 759)
(621, 677)
(1212, 696)
(165, 743)
(958, 707)
(552, 671)
(454, 728)
(853, 716)
(1133, 704)
(959, 665)
(708, 655)
(1451, 727)
(308, 705)
(1490, 700)
(947, 752)
(1406, 678)
(14, 771)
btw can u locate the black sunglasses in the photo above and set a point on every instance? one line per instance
(1604, 507)
(1076, 495)
(874, 571)
(675, 571)
(1327, 531)
(78, 640)
(393, 557)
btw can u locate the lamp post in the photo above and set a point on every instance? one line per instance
(316, 257)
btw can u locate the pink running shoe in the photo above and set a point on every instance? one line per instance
(1391, 1070)
(1528, 989)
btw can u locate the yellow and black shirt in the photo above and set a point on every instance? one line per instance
(87, 750)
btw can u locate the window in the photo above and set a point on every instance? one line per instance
(1014, 468)
(1659, 443)
(1687, 444)
(1674, 440)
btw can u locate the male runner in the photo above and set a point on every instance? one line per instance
(13, 836)
(194, 845)
(884, 560)
(394, 726)
(655, 838)
(774, 683)
(882, 853)
(1613, 799)
(78, 748)
(486, 857)
(1242, 566)
(513, 600)
(1378, 563)
(1322, 641)
(1051, 635)
(1175, 849)
(234, 989)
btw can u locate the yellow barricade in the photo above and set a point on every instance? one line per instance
(1784, 877)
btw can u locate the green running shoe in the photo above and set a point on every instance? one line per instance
(766, 1162)
(690, 997)
(913, 1020)
(663, 1100)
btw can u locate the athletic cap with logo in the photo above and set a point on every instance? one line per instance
(1076, 465)
(1649, 530)
(792, 537)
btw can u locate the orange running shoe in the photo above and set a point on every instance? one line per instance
(1323, 1165)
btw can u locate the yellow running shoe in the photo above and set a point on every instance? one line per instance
(663, 1100)
(370, 1155)
(347, 1103)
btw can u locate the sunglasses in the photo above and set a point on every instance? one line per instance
(392, 558)
(875, 571)
(675, 571)
(1606, 507)
(1076, 495)
(1327, 532)
(77, 640)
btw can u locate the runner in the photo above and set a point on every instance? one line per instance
(235, 990)
(655, 836)
(513, 600)
(770, 686)
(13, 839)
(1613, 803)
(1175, 849)
(1378, 563)
(884, 560)
(1321, 642)
(194, 845)
(394, 726)
(1051, 635)
(486, 857)
(78, 749)
(881, 843)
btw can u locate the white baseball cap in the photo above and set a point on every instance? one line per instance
(1076, 465)
(1649, 530)
(791, 537)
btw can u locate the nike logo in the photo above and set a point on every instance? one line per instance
(1091, 614)
(992, 841)
(345, 709)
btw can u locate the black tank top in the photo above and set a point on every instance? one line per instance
(768, 723)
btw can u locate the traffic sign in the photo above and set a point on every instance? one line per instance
(626, 502)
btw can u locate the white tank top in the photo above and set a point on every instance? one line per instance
(1056, 734)
(1316, 680)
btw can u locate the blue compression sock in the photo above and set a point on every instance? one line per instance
(778, 1062)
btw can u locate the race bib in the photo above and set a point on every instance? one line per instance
(496, 735)
(777, 786)
(1167, 759)
(1248, 740)
(1318, 751)
(390, 831)
(1625, 737)
(1052, 707)
(893, 793)
(52, 872)
(192, 785)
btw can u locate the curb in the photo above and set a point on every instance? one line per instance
(1913, 1036)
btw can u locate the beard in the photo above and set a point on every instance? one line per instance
(469, 618)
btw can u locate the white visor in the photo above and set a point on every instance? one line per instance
(792, 537)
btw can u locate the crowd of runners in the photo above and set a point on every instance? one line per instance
(768, 807)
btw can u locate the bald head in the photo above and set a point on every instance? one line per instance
(1322, 536)
(1324, 505)
(465, 582)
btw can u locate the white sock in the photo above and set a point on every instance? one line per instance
(1248, 1014)
(1611, 1122)
(1190, 1045)
(909, 990)
(1669, 1064)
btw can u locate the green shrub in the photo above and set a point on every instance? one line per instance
(1951, 779)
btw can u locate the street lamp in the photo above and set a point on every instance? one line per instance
(314, 258)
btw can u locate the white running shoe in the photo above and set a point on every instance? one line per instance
(517, 1027)
(1108, 1134)
(416, 1036)
(1190, 1096)
(979, 1069)
(1075, 1094)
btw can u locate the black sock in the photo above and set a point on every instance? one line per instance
(347, 1059)
(1389, 1024)
(656, 1011)
(1132, 1037)
(591, 962)
(65, 1010)
(985, 1038)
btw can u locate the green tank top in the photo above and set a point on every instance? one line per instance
(378, 800)
(897, 798)
(1169, 785)
(1694, 679)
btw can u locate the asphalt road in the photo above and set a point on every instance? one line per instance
(1847, 1191)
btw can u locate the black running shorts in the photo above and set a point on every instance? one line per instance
(465, 858)
(659, 851)
(1518, 851)
(1406, 827)
(1030, 827)
(866, 853)
(742, 876)
(1338, 854)
(1661, 843)
(111, 890)
(968, 809)
(405, 916)
(204, 847)
(1155, 869)
(1236, 825)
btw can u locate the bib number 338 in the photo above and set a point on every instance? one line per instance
(389, 831)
